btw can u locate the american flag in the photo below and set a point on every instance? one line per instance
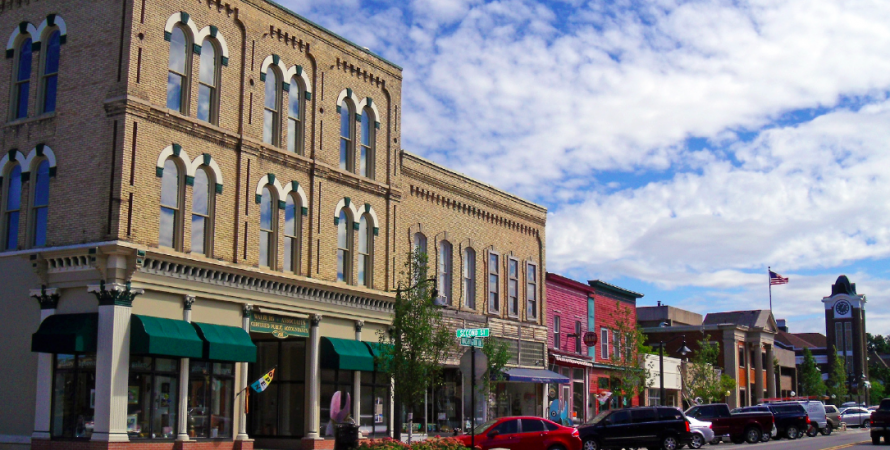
(775, 278)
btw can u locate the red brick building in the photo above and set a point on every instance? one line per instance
(574, 309)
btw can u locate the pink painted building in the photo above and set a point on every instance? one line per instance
(573, 310)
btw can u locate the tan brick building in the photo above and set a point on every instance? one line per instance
(196, 192)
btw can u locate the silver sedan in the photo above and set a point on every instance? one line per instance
(856, 417)
(701, 432)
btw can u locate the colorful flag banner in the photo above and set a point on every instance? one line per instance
(264, 381)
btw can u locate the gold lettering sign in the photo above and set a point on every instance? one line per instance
(280, 326)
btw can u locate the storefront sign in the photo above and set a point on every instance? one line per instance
(280, 326)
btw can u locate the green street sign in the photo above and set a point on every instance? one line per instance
(471, 342)
(472, 332)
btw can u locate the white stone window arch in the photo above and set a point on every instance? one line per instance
(38, 168)
(368, 136)
(347, 105)
(272, 73)
(296, 207)
(11, 181)
(24, 41)
(53, 34)
(299, 92)
(180, 31)
(344, 218)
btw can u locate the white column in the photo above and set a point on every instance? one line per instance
(314, 412)
(770, 373)
(357, 381)
(758, 373)
(242, 416)
(49, 300)
(184, 376)
(112, 360)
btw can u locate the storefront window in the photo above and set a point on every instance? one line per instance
(74, 396)
(152, 396)
(333, 380)
(210, 399)
(280, 409)
(516, 399)
(579, 397)
(444, 404)
(374, 417)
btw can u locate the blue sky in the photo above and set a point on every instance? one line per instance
(681, 147)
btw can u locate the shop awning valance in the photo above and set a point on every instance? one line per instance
(534, 376)
(67, 333)
(164, 337)
(224, 343)
(345, 354)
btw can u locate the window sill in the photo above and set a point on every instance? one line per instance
(25, 120)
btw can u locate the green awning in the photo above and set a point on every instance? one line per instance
(345, 354)
(67, 333)
(377, 350)
(224, 343)
(164, 337)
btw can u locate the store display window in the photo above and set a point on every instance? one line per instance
(210, 399)
(74, 396)
(374, 417)
(152, 398)
(333, 380)
(279, 411)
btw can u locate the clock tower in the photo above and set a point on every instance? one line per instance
(845, 330)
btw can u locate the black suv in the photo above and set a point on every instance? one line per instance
(792, 420)
(651, 427)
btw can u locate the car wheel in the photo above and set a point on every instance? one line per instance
(827, 430)
(766, 437)
(812, 431)
(715, 441)
(698, 441)
(791, 432)
(591, 444)
(866, 424)
(753, 435)
(876, 440)
(670, 443)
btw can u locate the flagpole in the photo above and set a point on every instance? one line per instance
(770, 281)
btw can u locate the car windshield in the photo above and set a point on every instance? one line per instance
(885, 405)
(598, 418)
(481, 428)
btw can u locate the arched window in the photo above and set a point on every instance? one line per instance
(445, 272)
(268, 208)
(344, 247)
(292, 228)
(202, 219)
(40, 205)
(168, 235)
(208, 81)
(419, 243)
(469, 277)
(13, 207)
(347, 138)
(294, 117)
(22, 80)
(178, 71)
(366, 159)
(365, 252)
(50, 79)
(271, 108)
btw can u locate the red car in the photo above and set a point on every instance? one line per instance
(524, 433)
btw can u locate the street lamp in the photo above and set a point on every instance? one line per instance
(684, 350)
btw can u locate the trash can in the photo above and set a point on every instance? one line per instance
(345, 436)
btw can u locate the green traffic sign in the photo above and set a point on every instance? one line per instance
(472, 332)
(471, 342)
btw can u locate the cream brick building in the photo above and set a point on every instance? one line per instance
(232, 165)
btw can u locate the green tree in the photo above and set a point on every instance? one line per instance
(631, 374)
(810, 377)
(418, 344)
(703, 380)
(498, 354)
(837, 380)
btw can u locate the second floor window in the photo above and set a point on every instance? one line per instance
(294, 118)
(270, 109)
(22, 79)
(170, 205)
(292, 229)
(268, 209)
(344, 247)
(556, 334)
(208, 83)
(513, 286)
(40, 206)
(494, 280)
(347, 141)
(13, 206)
(50, 77)
(578, 337)
(469, 278)
(178, 71)
(201, 218)
(366, 159)
(445, 278)
(365, 248)
(531, 292)
(604, 343)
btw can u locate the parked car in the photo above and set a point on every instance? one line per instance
(651, 427)
(833, 417)
(816, 414)
(880, 423)
(702, 432)
(740, 427)
(856, 417)
(524, 433)
(791, 419)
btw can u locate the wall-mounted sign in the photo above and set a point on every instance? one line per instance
(280, 326)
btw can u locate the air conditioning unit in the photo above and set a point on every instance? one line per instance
(441, 301)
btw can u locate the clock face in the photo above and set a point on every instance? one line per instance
(842, 308)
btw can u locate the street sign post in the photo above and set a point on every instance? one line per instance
(471, 342)
(472, 332)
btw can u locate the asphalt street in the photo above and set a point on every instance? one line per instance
(850, 439)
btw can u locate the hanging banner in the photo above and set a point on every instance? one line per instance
(279, 326)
